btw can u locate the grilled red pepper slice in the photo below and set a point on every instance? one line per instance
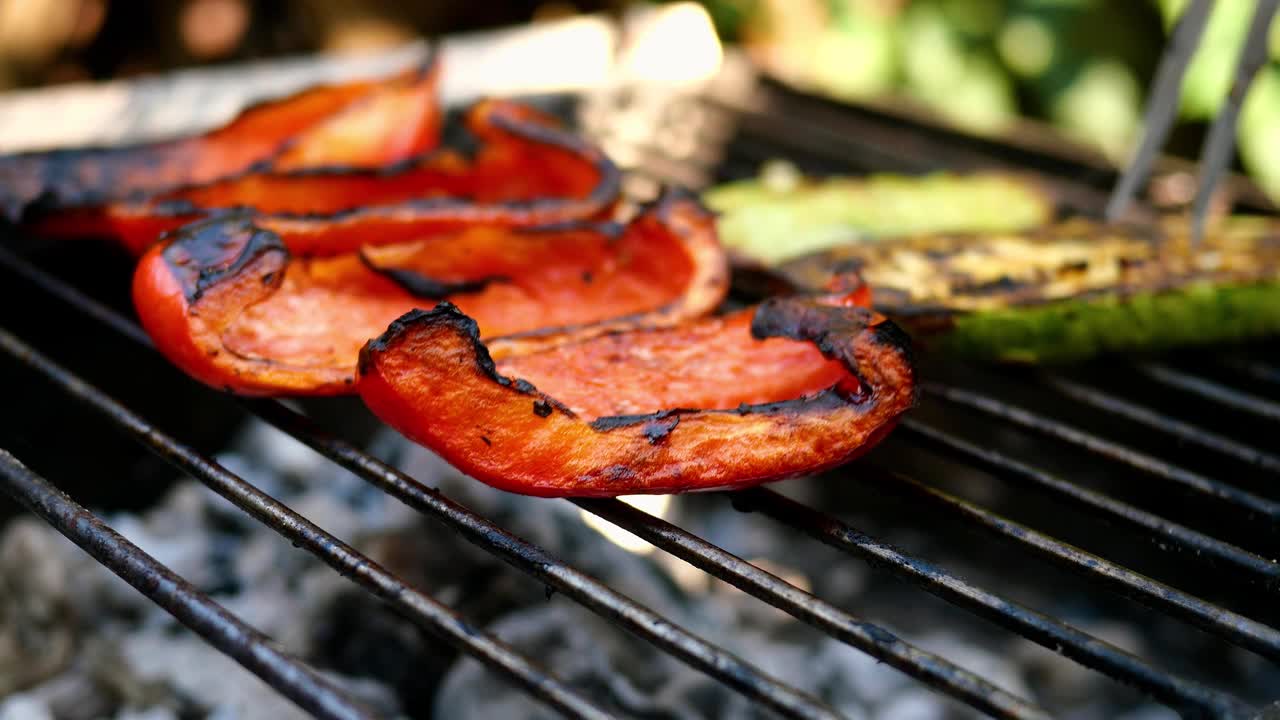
(527, 171)
(226, 301)
(366, 123)
(793, 386)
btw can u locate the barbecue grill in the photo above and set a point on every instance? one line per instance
(1153, 478)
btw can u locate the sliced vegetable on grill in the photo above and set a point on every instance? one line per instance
(365, 123)
(790, 387)
(1071, 290)
(782, 215)
(228, 302)
(526, 171)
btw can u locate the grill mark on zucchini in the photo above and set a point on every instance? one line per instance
(1077, 259)
(1071, 290)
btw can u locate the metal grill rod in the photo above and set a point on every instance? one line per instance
(1256, 370)
(537, 562)
(1210, 390)
(525, 556)
(224, 631)
(870, 638)
(1254, 506)
(1234, 628)
(1182, 694)
(421, 609)
(74, 297)
(1183, 431)
(1162, 103)
(1166, 532)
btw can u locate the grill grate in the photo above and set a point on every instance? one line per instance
(430, 614)
(842, 141)
(1250, 506)
(1184, 538)
(192, 607)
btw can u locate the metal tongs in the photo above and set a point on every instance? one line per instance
(1162, 104)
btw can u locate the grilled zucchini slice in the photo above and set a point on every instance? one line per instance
(1069, 290)
(781, 215)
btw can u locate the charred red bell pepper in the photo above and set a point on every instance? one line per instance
(793, 386)
(227, 302)
(366, 123)
(527, 171)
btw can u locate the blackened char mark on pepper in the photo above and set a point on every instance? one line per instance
(427, 287)
(755, 282)
(619, 474)
(37, 183)
(445, 313)
(658, 430)
(671, 196)
(608, 228)
(448, 315)
(202, 254)
(658, 208)
(604, 191)
(892, 335)
(621, 321)
(657, 426)
(610, 176)
(826, 399)
(831, 329)
(177, 208)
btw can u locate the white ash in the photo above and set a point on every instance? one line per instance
(631, 677)
(78, 642)
(88, 646)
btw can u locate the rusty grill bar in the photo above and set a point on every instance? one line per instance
(191, 607)
(846, 140)
(430, 615)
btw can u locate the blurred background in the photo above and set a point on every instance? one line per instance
(1080, 66)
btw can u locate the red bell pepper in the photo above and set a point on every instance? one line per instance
(365, 123)
(229, 303)
(527, 171)
(793, 386)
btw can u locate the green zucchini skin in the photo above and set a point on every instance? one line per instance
(780, 216)
(1075, 330)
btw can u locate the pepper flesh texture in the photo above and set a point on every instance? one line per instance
(791, 387)
(228, 303)
(527, 171)
(781, 216)
(1070, 291)
(366, 123)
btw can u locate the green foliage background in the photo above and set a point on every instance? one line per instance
(1082, 65)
